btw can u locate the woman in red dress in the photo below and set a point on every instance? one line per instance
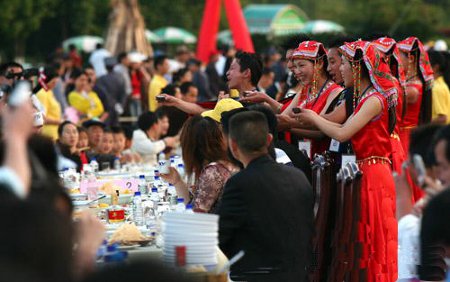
(419, 77)
(319, 91)
(369, 129)
(388, 47)
(309, 64)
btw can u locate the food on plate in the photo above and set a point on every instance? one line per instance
(109, 188)
(127, 234)
(74, 191)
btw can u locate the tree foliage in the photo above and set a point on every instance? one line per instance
(33, 27)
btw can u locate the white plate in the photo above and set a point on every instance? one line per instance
(188, 227)
(191, 242)
(197, 217)
(81, 203)
(127, 248)
(193, 260)
(189, 234)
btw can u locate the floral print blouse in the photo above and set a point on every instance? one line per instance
(209, 186)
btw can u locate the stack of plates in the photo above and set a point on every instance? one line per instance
(198, 232)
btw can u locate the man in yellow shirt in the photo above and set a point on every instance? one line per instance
(158, 81)
(440, 91)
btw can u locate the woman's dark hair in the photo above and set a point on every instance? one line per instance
(425, 107)
(365, 73)
(50, 73)
(76, 73)
(201, 142)
(179, 74)
(62, 125)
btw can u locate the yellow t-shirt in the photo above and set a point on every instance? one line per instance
(440, 99)
(52, 110)
(157, 83)
(234, 93)
(89, 105)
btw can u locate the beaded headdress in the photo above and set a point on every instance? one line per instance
(409, 46)
(314, 51)
(359, 52)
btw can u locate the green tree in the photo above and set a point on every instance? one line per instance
(20, 18)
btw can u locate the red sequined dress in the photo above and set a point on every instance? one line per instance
(398, 153)
(377, 226)
(317, 105)
(411, 118)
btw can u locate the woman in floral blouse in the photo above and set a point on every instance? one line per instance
(205, 159)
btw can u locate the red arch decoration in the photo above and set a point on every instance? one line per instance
(206, 44)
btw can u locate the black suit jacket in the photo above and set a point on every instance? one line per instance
(267, 211)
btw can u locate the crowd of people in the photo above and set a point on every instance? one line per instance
(247, 128)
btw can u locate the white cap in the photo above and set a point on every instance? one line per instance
(136, 57)
(440, 45)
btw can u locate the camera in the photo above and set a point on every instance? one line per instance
(160, 98)
(26, 74)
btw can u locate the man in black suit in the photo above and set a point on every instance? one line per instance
(266, 209)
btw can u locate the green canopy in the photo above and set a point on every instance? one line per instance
(175, 35)
(275, 20)
(152, 37)
(225, 37)
(84, 43)
(322, 26)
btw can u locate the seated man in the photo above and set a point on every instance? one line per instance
(146, 139)
(94, 128)
(266, 208)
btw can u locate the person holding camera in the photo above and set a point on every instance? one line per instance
(51, 107)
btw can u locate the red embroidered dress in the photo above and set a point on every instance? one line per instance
(315, 99)
(388, 46)
(377, 227)
(317, 105)
(411, 119)
(375, 249)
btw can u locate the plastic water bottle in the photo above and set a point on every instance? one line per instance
(180, 169)
(164, 164)
(113, 255)
(189, 208)
(94, 165)
(180, 205)
(117, 165)
(142, 185)
(101, 251)
(172, 196)
(156, 181)
(138, 212)
(154, 197)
